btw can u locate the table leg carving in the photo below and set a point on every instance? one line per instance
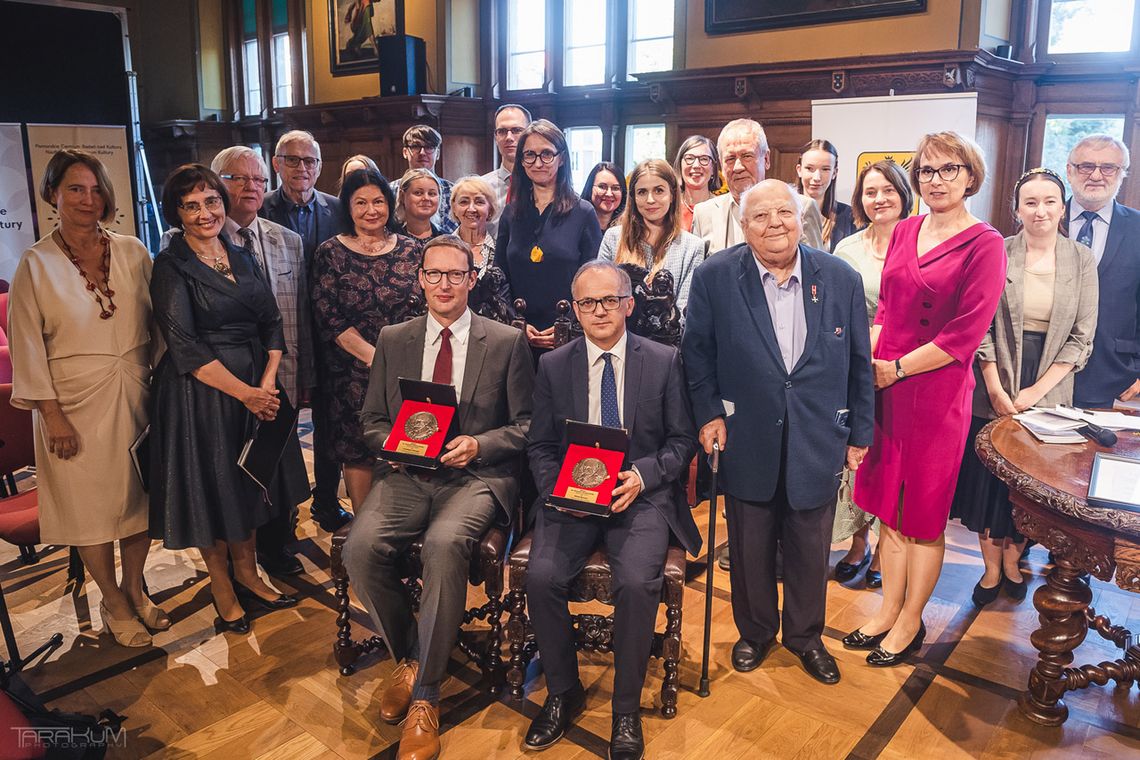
(1061, 602)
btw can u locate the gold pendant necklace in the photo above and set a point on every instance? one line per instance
(218, 265)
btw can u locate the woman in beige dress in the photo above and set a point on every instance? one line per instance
(80, 323)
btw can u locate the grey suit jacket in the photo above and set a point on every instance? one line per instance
(285, 260)
(1071, 326)
(716, 218)
(494, 407)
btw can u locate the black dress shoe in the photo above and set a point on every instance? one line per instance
(280, 564)
(747, 655)
(874, 578)
(983, 596)
(820, 665)
(845, 571)
(554, 718)
(626, 741)
(723, 561)
(330, 517)
(881, 658)
(283, 601)
(221, 625)
(859, 640)
(1015, 590)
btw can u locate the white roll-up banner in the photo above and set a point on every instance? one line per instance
(16, 231)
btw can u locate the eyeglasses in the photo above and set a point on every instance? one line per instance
(454, 276)
(294, 161)
(948, 172)
(243, 179)
(504, 131)
(419, 148)
(1087, 169)
(213, 203)
(545, 157)
(691, 160)
(603, 188)
(609, 303)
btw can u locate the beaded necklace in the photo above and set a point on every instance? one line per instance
(96, 289)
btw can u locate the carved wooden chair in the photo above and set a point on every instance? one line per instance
(655, 317)
(487, 561)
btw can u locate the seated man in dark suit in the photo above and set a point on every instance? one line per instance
(490, 366)
(300, 206)
(779, 364)
(614, 378)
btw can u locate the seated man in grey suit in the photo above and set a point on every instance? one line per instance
(614, 378)
(491, 368)
(745, 160)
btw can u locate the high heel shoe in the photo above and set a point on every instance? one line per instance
(859, 640)
(152, 616)
(874, 578)
(221, 625)
(127, 633)
(845, 571)
(881, 658)
(282, 602)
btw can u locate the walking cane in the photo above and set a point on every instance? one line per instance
(714, 465)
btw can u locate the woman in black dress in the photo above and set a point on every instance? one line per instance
(547, 232)
(216, 380)
(360, 283)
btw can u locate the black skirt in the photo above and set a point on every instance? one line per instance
(981, 501)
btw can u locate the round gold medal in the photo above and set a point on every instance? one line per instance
(421, 426)
(589, 473)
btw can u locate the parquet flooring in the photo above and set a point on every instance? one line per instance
(276, 693)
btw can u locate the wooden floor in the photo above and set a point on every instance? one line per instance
(276, 693)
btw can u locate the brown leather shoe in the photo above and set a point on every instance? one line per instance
(398, 695)
(420, 740)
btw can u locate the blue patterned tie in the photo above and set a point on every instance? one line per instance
(610, 416)
(1085, 236)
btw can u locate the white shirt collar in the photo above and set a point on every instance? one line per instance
(231, 228)
(460, 328)
(594, 353)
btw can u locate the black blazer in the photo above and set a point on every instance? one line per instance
(657, 416)
(1115, 361)
(732, 357)
(327, 223)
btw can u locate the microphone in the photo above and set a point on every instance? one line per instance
(1097, 434)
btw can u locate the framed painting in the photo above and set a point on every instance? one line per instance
(354, 26)
(731, 16)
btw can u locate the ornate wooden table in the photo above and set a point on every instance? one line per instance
(1048, 487)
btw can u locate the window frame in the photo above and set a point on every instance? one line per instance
(235, 59)
(1044, 15)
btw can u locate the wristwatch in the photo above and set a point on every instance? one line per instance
(899, 370)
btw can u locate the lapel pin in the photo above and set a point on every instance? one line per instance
(815, 294)
(838, 331)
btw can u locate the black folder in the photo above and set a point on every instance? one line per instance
(140, 457)
(262, 452)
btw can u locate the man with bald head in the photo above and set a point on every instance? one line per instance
(778, 359)
(745, 160)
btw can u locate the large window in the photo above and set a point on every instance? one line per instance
(250, 59)
(526, 44)
(267, 55)
(643, 141)
(594, 42)
(1063, 132)
(1091, 26)
(585, 148)
(282, 54)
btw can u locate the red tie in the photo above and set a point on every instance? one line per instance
(509, 191)
(442, 372)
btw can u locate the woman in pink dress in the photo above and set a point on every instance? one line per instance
(942, 280)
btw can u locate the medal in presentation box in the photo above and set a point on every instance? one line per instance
(423, 424)
(590, 469)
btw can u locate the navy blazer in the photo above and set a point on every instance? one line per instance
(327, 223)
(732, 357)
(662, 439)
(1115, 361)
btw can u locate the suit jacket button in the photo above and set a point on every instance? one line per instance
(927, 305)
(788, 384)
(779, 423)
(924, 322)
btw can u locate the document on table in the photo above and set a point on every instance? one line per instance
(1050, 428)
(1109, 420)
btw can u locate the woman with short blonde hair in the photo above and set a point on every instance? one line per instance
(473, 206)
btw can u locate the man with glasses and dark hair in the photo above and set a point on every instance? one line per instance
(313, 215)
(614, 378)
(421, 151)
(510, 121)
(1097, 167)
(451, 508)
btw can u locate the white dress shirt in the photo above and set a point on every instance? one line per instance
(460, 332)
(1100, 231)
(595, 364)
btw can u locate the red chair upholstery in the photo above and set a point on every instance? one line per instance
(19, 512)
(3, 337)
(4, 312)
(5, 365)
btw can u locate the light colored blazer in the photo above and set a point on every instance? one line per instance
(1072, 324)
(285, 258)
(717, 220)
